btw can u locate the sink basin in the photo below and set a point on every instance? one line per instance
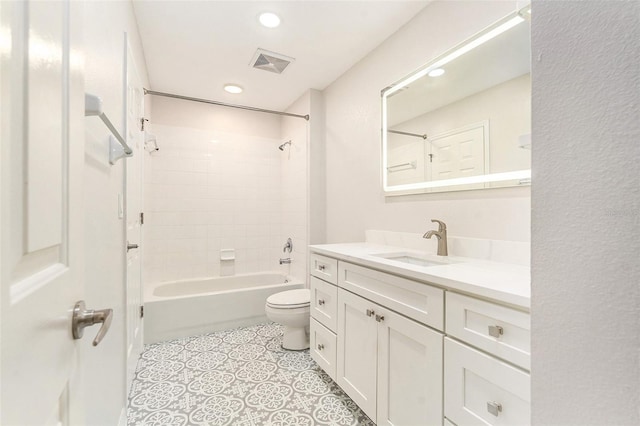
(412, 259)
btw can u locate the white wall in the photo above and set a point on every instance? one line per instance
(215, 184)
(104, 24)
(355, 201)
(586, 213)
(317, 169)
(303, 179)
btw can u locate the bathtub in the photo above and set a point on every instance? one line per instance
(186, 308)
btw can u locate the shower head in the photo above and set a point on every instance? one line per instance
(281, 147)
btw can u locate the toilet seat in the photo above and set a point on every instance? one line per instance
(291, 299)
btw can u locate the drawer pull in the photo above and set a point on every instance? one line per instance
(379, 318)
(495, 331)
(320, 302)
(320, 346)
(321, 267)
(370, 312)
(494, 408)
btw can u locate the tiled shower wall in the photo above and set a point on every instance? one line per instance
(206, 191)
(294, 187)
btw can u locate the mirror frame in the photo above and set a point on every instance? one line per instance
(493, 30)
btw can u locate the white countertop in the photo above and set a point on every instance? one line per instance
(503, 282)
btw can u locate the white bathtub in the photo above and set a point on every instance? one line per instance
(186, 308)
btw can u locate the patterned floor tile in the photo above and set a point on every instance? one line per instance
(236, 377)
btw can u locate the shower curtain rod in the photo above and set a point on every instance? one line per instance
(398, 132)
(207, 101)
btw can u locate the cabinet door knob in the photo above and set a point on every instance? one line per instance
(321, 267)
(320, 347)
(494, 408)
(379, 318)
(495, 331)
(320, 302)
(370, 312)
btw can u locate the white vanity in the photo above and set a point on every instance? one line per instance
(417, 339)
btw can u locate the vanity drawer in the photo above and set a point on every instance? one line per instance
(499, 330)
(482, 390)
(418, 301)
(324, 303)
(323, 267)
(322, 345)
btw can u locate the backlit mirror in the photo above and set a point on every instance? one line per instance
(463, 121)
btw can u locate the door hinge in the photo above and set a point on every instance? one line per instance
(141, 311)
(141, 218)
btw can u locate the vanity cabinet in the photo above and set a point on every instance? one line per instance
(410, 353)
(390, 365)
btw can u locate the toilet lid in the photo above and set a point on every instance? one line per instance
(290, 299)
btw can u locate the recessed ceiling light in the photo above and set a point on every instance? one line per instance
(436, 73)
(269, 20)
(233, 88)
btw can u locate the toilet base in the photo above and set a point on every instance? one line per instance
(295, 338)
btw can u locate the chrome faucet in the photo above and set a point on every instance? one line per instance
(441, 235)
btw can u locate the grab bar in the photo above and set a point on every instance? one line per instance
(93, 106)
(412, 165)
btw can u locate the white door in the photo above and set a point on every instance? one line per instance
(409, 372)
(357, 350)
(459, 153)
(135, 110)
(42, 131)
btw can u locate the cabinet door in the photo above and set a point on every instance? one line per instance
(409, 372)
(323, 303)
(482, 390)
(357, 350)
(323, 347)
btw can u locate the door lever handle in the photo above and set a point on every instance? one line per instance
(83, 317)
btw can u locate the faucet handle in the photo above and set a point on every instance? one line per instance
(288, 246)
(441, 225)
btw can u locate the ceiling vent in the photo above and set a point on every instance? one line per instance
(270, 61)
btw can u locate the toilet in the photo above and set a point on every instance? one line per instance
(291, 309)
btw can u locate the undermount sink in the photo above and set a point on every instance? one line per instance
(412, 259)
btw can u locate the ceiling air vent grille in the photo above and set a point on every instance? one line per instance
(270, 61)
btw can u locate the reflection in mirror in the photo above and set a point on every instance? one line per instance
(463, 121)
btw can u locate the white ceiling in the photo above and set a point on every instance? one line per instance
(193, 48)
